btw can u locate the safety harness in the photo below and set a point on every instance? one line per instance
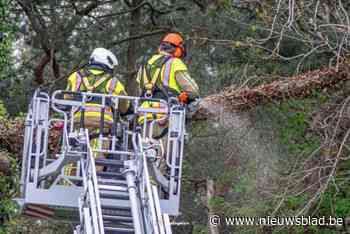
(83, 77)
(152, 83)
(154, 86)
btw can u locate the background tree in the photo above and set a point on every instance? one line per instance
(286, 157)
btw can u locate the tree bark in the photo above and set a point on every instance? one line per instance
(210, 195)
(47, 59)
(135, 16)
(234, 99)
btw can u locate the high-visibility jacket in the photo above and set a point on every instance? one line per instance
(95, 80)
(173, 77)
(168, 77)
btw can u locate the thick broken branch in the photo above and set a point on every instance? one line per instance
(230, 100)
(233, 99)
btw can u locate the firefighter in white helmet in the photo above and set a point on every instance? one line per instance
(97, 77)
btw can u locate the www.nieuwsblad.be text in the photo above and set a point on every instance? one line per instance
(216, 220)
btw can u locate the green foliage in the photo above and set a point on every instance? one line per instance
(200, 229)
(335, 204)
(27, 225)
(8, 188)
(3, 111)
(8, 211)
(226, 177)
(242, 186)
(293, 203)
(293, 133)
(9, 82)
(8, 182)
(342, 207)
(227, 57)
(217, 203)
(5, 44)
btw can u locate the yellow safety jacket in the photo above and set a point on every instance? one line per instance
(97, 81)
(157, 79)
(159, 72)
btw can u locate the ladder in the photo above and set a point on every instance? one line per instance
(102, 206)
(117, 193)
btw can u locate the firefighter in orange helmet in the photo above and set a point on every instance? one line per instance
(166, 75)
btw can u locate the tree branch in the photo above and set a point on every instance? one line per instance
(136, 37)
(233, 99)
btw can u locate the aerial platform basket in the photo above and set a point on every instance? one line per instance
(111, 193)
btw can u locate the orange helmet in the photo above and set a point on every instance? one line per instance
(176, 40)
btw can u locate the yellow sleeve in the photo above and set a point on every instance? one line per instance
(71, 85)
(183, 78)
(72, 82)
(187, 84)
(179, 65)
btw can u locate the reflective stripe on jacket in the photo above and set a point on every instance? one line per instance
(104, 84)
(98, 82)
(168, 75)
(160, 117)
(174, 78)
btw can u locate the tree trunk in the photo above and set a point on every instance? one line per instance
(241, 99)
(213, 229)
(133, 47)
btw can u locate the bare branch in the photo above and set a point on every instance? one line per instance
(136, 37)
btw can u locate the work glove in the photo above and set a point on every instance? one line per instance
(183, 98)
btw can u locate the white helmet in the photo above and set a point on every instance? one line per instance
(104, 56)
